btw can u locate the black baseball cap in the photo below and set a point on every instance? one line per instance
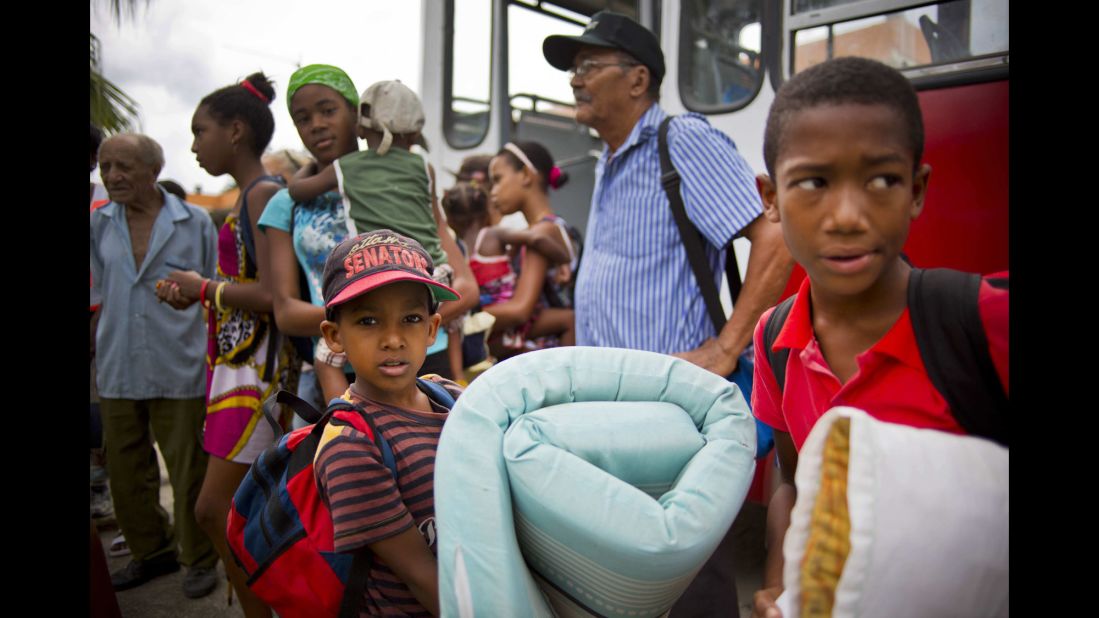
(368, 261)
(608, 29)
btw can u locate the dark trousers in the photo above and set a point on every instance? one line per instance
(176, 425)
(713, 591)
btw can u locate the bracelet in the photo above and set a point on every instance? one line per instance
(217, 296)
(202, 293)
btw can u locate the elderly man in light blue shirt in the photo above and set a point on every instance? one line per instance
(150, 362)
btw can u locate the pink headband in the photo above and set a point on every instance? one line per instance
(250, 88)
(554, 175)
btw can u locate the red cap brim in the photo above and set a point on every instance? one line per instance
(368, 283)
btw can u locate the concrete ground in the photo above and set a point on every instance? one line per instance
(163, 597)
(750, 528)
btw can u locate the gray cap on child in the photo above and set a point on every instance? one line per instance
(390, 107)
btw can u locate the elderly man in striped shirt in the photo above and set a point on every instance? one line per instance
(636, 288)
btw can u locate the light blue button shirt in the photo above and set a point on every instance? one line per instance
(635, 288)
(146, 349)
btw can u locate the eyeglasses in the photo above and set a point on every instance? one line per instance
(587, 66)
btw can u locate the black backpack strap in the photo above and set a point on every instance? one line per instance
(246, 220)
(307, 412)
(692, 239)
(732, 274)
(250, 259)
(947, 324)
(356, 583)
(771, 329)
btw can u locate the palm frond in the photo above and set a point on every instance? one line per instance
(112, 110)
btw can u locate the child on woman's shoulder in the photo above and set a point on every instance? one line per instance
(476, 222)
(387, 186)
(492, 249)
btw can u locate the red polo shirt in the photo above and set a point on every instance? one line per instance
(891, 383)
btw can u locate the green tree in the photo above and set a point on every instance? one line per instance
(112, 110)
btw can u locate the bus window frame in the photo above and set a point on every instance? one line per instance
(683, 69)
(973, 70)
(448, 78)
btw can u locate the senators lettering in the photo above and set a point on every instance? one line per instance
(368, 255)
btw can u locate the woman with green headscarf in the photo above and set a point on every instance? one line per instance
(324, 104)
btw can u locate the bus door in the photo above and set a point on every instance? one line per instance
(956, 54)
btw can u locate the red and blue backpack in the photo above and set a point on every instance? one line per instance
(279, 529)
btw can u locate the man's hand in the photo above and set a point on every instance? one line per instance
(764, 606)
(711, 356)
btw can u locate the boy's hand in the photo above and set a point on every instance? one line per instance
(305, 171)
(712, 357)
(764, 603)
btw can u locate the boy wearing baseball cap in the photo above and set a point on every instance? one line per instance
(380, 303)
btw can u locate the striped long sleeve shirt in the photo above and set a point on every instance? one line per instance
(369, 505)
(635, 288)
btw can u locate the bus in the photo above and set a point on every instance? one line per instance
(485, 82)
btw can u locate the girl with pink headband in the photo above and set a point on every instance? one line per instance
(531, 314)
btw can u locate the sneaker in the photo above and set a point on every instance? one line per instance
(118, 547)
(138, 572)
(199, 582)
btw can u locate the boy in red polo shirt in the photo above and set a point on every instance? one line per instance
(842, 147)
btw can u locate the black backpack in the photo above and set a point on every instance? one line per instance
(946, 321)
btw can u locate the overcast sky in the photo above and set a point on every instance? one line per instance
(176, 52)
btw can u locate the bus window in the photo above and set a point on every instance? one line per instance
(960, 31)
(720, 67)
(466, 89)
(532, 83)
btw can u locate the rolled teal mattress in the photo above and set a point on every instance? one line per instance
(587, 481)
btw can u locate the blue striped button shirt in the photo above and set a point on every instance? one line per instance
(635, 288)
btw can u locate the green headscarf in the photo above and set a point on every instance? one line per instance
(325, 75)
